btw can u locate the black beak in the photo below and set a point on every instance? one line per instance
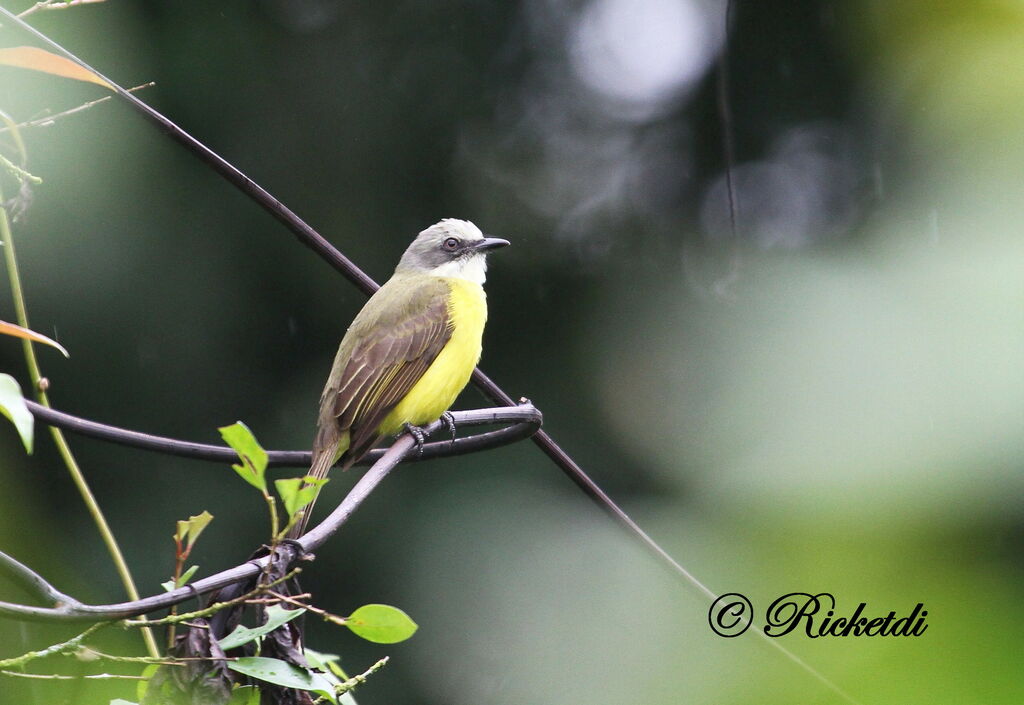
(490, 243)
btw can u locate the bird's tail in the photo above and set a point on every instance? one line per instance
(323, 459)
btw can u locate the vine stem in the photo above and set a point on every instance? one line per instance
(61, 648)
(35, 376)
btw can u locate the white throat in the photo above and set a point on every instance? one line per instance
(473, 269)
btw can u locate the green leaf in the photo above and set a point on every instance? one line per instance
(322, 661)
(323, 686)
(298, 492)
(282, 673)
(254, 459)
(276, 616)
(381, 624)
(187, 575)
(274, 671)
(12, 405)
(147, 673)
(189, 530)
(183, 580)
(334, 674)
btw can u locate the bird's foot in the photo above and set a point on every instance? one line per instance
(418, 436)
(448, 419)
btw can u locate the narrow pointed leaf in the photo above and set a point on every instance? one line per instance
(40, 60)
(12, 405)
(320, 661)
(19, 332)
(187, 575)
(276, 616)
(381, 624)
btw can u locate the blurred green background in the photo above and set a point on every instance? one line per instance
(831, 401)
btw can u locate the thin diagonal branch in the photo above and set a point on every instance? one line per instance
(724, 106)
(303, 231)
(312, 239)
(52, 5)
(367, 285)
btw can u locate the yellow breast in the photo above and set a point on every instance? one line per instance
(451, 369)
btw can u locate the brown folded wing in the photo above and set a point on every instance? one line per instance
(387, 349)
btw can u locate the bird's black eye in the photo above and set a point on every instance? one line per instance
(451, 244)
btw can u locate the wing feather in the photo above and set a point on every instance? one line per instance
(385, 352)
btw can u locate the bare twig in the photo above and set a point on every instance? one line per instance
(50, 119)
(352, 682)
(17, 172)
(349, 684)
(91, 676)
(296, 601)
(56, 5)
(61, 648)
(93, 654)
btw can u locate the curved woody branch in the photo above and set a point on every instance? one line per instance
(32, 583)
(67, 609)
(330, 254)
(522, 423)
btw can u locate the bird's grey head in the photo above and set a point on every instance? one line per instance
(451, 248)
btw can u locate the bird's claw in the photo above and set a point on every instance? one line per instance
(448, 419)
(418, 436)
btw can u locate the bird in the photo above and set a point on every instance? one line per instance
(409, 351)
